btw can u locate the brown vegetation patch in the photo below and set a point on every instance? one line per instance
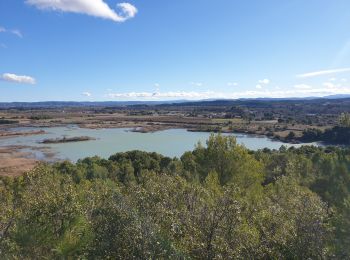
(13, 162)
(15, 134)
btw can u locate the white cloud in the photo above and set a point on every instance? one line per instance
(2, 29)
(323, 72)
(302, 86)
(196, 84)
(2, 45)
(165, 95)
(314, 92)
(157, 85)
(344, 80)
(264, 81)
(301, 90)
(232, 84)
(128, 10)
(18, 79)
(86, 94)
(330, 85)
(97, 8)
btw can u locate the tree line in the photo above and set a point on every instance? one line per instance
(217, 201)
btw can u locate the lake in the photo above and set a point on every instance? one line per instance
(173, 142)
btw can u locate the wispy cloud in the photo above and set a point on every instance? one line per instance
(331, 85)
(165, 95)
(17, 78)
(342, 55)
(302, 86)
(232, 84)
(97, 8)
(197, 84)
(323, 72)
(16, 32)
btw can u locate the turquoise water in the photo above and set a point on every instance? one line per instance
(171, 143)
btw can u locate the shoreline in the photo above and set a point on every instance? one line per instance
(16, 160)
(145, 127)
(9, 134)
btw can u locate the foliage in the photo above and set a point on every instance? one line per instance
(335, 135)
(40, 117)
(311, 135)
(6, 121)
(344, 120)
(217, 201)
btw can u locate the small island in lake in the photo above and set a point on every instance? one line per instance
(67, 140)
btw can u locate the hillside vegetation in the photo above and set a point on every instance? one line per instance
(339, 134)
(288, 120)
(218, 201)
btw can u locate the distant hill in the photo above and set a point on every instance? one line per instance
(339, 96)
(207, 102)
(57, 104)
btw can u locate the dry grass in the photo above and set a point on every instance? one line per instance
(14, 163)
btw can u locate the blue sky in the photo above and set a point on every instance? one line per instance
(184, 49)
